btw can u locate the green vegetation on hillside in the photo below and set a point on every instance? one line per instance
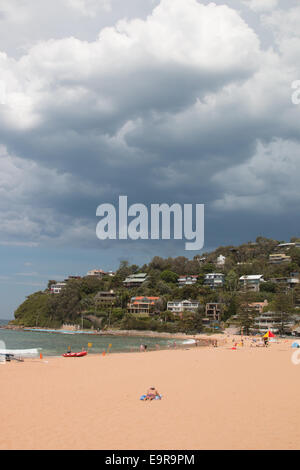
(77, 304)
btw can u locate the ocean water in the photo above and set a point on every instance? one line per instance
(55, 344)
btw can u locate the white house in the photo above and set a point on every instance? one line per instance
(271, 321)
(187, 280)
(57, 287)
(221, 260)
(287, 246)
(214, 280)
(279, 258)
(183, 306)
(252, 282)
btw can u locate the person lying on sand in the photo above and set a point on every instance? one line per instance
(152, 393)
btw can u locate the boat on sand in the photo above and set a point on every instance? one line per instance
(75, 354)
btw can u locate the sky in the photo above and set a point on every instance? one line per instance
(165, 101)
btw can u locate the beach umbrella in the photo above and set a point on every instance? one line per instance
(269, 334)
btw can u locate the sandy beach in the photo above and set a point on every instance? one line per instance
(213, 398)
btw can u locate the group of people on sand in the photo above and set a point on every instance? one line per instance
(253, 342)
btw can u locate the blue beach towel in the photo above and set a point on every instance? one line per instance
(156, 398)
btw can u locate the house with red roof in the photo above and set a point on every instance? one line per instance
(142, 304)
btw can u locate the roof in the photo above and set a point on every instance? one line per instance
(252, 277)
(144, 298)
(265, 302)
(96, 271)
(286, 244)
(186, 276)
(275, 255)
(141, 277)
(140, 300)
(214, 274)
(110, 292)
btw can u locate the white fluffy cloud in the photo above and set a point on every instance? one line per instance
(285, 26)
(210, 38)
(180, 45)
(261, 5)
(285, 22)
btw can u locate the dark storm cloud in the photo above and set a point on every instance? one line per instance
(167, 109)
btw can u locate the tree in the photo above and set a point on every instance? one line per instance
(295, 255)
(296, 295)
(66, 305)
(232, 281)
(124, 270)
(167, 316)
(200, 280)
(85, 304)
(34, 311)
(159, 305)
(231, 308)
(164, 288)
(179, 265)
(169, 276)
(123, 298)
(50, 283)
(87, 285)
(283, 305)
(246, 314)
(191, 322)
(152, 279)
(208, 268)
(268, 286)
(160, 263)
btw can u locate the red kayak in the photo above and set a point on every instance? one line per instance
(75, 354)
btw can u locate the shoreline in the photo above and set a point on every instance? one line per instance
(172, 341)
(122, 333)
